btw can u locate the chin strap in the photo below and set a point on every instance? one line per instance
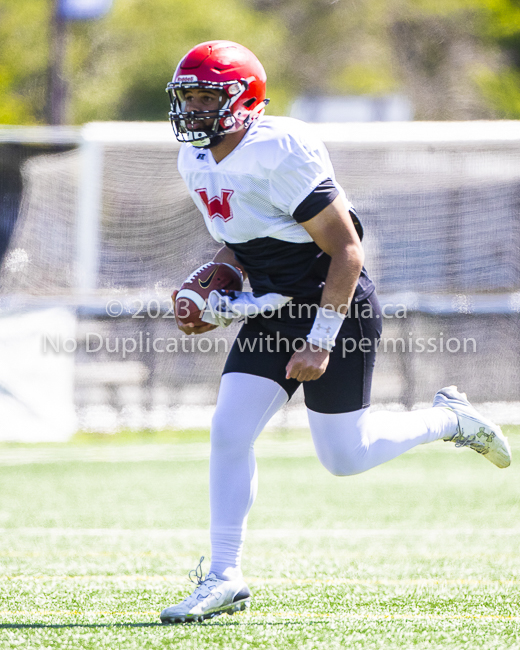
(213, 141)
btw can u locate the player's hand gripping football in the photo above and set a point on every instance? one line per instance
(191, 328)
(307, 364)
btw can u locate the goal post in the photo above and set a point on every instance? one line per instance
(90, 187)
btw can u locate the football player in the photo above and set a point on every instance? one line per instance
(266, 189)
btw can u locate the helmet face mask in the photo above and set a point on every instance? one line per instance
(220, 66)
(223, 118)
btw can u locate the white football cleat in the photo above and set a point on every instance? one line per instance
(473, 430)
(212, 597)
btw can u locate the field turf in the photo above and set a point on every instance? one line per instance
(98, 535)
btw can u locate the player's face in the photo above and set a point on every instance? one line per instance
(201, 99)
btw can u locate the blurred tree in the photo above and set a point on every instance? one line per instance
(117, 67)
(24, 36)
(499, 80)
(436, 55)
(336, 46)
(456, 59)
(121, 65)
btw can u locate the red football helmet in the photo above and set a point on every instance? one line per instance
(229, 68)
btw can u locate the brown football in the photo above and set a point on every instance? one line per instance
(190, 302)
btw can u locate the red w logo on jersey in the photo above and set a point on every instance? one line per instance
(217, 207)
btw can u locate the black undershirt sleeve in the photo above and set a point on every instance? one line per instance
(318, 200)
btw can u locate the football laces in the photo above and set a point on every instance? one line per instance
(197, 271)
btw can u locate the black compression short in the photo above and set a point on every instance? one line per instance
(264, 346)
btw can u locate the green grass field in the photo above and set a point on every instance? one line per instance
(98, 535)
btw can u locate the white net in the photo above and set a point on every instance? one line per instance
(150, 232)
(440, 206)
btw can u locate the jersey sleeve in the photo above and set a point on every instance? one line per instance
(301, 167)
(320, 197)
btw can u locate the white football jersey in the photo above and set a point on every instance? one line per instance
(253, 192)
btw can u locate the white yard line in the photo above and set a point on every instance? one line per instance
(181, 582)
(182, 452)
(288, 615)
(179, 452)
(261, 533)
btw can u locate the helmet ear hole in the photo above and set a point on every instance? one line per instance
(250, 102)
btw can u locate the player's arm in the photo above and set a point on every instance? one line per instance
(334, 232)
(226, 256)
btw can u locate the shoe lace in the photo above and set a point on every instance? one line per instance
(472, 442)
(197, 573)
(205, 585)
